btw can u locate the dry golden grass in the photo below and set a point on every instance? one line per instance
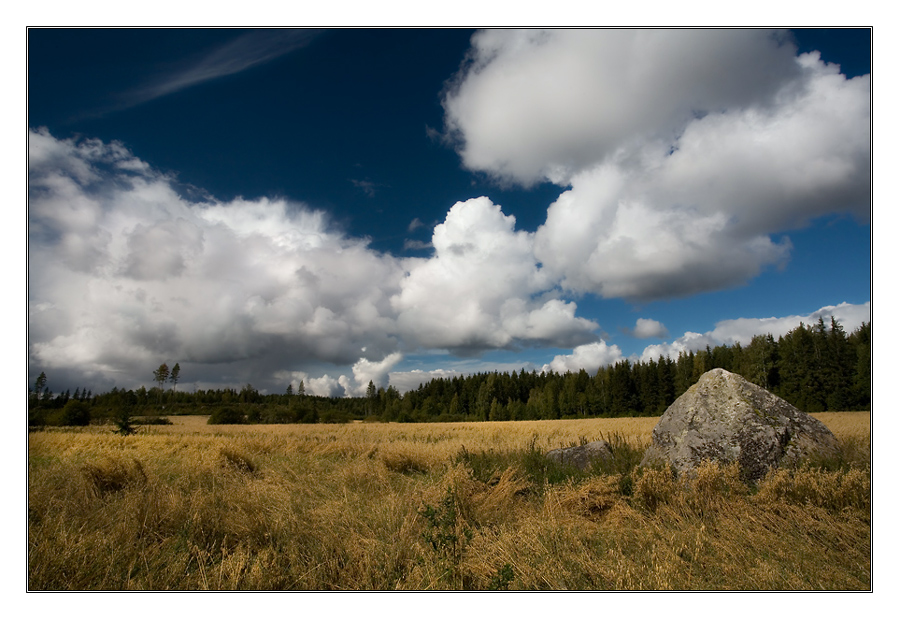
(389, 506)
(846, 424)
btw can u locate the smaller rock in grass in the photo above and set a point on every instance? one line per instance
(581, 457)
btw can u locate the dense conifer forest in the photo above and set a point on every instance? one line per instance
(814, 367)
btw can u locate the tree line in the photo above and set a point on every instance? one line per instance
(814, 367)
(223, 405)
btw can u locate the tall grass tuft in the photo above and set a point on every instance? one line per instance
(236, 460)
(112, 474)
(834, 490)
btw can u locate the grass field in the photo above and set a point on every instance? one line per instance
(431, 506)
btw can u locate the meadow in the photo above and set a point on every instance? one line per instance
(388, 506)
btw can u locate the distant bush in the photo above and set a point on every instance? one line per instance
(37, 417)
(334, 417)
(124, 422)
(76, 413)
(275, 414)
(227, 415)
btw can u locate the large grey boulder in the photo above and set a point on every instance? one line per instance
(725, 418)
(581, 457)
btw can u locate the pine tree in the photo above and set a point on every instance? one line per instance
(40, 384)
(161, 375)
(799, 356)
(124, 422)
(176, 372)
(454, 407)
(623, 395)
(838, 369)
(684, 369)
(665, 369)
(860, 342)
(758, 362)
(371, 398)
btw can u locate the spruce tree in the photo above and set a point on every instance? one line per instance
(838, 367)
(176, 373)
(40, 384)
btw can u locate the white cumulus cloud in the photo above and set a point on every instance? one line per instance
(648, 328)
(684, 154)
(538, 104)
(742, 330)
(365, 371)
(482, 288)
(326, 385)
(126, 273)
(589, 357)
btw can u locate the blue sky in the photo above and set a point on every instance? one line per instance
(342, 206)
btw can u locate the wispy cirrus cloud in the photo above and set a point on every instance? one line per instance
(245, 51)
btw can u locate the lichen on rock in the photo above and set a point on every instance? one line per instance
(725, 418)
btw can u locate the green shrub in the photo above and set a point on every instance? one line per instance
(625, 457)
(448, 536)
(227, 415)
(37, 416)
(487, 466)
(124, 422)
(76, 413)
(502, 578)
(334, 417)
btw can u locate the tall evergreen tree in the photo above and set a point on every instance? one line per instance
(371, 398)
(175, 375)
(623, 396)
(161, 375)
(799, 359)
(40, 384)
(860, 342)
(684, 371)
(665, 369)
(837, 364)
(758, 362)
